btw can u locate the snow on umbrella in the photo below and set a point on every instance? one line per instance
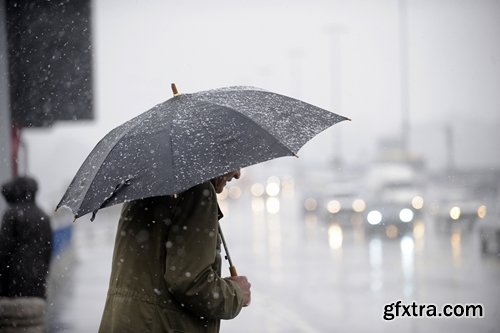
(189, 139)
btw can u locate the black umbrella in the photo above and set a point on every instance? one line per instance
(190, 139)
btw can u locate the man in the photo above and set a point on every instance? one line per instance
(166, 266)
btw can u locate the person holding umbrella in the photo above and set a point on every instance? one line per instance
(166, 266)
(167, 164)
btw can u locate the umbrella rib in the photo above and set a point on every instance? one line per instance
(107, 199)
(76, 212)
(121, 136)
(279, 143)
(171, 155)
(132, 123)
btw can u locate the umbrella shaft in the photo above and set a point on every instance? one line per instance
(225, 247)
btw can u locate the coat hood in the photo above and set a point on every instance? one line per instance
(20, 189)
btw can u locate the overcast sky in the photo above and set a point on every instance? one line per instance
(339, 55)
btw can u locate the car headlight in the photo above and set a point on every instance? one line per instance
(455, 213)
(257, 190)
(406, 215)
(481, 212)
(333, 206)
(417, 202)
(374, 217)
(358, 205)
(310, 204)
(273, 187)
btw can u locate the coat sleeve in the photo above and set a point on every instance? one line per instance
(191, 269)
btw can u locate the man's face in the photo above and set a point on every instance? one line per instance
(220, 182)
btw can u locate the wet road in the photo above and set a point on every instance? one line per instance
(307, 274)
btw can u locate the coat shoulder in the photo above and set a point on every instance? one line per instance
(205, 188)
(199, 193)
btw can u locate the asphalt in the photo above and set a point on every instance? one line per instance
(307, 273)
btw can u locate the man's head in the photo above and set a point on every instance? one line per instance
(220, 182)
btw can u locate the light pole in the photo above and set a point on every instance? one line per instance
(334, 32)
(403, 65)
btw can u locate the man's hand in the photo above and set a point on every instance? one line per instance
(244, 285)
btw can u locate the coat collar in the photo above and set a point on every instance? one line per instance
(219, 213)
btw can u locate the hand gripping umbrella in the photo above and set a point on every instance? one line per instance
(190, 139)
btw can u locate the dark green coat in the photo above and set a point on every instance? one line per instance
(166, 267)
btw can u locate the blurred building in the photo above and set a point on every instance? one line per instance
(45, 70)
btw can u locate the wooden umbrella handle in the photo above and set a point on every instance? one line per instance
(174, 89)
(232, 270)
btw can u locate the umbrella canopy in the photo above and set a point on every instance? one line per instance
(190, 139)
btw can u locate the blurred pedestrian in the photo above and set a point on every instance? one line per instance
(25, 253)
(166, 271)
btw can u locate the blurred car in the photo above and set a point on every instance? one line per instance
(313, 192)
(393, 209)
(405, 194)
(343, 203)
(312, 201)
(489, 230)
(458, 208)
(390, 218)
(489, 234)
(333, 196)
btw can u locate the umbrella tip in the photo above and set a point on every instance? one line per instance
(174, 89)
